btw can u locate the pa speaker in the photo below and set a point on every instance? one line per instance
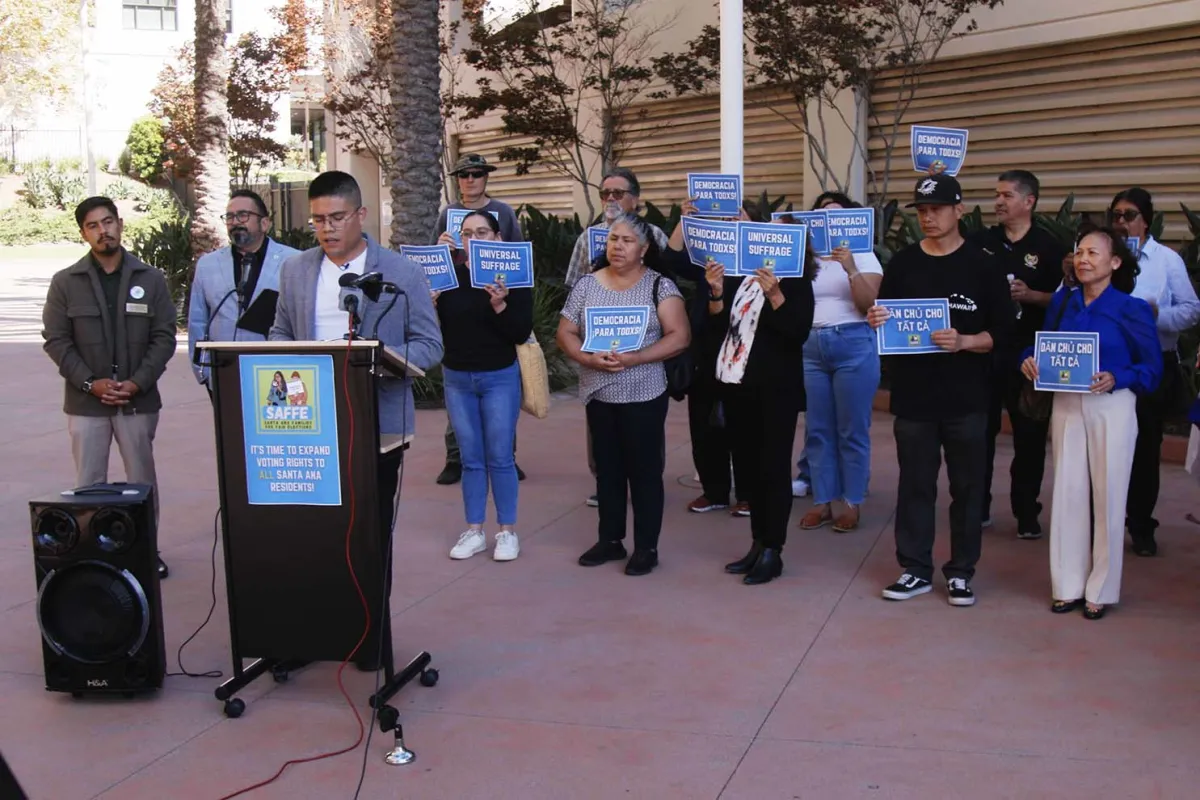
(99, 608)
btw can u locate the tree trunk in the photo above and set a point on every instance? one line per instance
(212, 128)
(416, 121)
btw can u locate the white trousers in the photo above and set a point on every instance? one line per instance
(1093, 437)
(91, 441)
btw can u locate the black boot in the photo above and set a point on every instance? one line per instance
(746, 562)
(768, 567)
(450, 474)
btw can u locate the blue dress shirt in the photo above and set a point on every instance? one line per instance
(1129, 347)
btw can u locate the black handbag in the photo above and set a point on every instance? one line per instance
(1031, 403)
(679, 368)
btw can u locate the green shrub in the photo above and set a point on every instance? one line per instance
(168, 246)
(144, 154)
(6, 165)
(299, 238)
(56, 186)
(21, 225)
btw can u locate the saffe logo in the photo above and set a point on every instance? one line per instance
(97, 683)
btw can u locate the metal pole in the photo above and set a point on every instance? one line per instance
(88, 127)
(732, 76)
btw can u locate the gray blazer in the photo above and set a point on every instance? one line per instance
(411, 328)
(212, 284)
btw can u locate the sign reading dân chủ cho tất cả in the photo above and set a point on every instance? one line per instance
(289, 424)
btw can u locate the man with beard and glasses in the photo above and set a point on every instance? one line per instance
(109, 326)
(236, 288)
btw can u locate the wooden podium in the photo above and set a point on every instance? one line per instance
(298, 458)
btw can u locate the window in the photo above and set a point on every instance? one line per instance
(149, 15)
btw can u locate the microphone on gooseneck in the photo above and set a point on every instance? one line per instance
(243, 300)
(350, 299)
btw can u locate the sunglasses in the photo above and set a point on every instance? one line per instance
(472, 174)
(613, 194)
(1125, 216)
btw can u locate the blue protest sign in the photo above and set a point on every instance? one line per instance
(437, 263)
(597, 239)
(711, 238)
(510, 263)
(454, 221)
(289, 424)
(817, 224)
(938, 150)
(908, 331)
(771, 246)
(851, 227)
(716, 195)
(1066, 362)
(615, 329)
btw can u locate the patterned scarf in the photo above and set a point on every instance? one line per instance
(743, 322)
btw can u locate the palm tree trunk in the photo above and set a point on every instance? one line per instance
(416, 121)
(212, 128)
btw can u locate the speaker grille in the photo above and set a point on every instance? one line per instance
(93, 613)
(114, 530)
(55, 531)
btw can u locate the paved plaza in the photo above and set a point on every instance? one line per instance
(564, 682)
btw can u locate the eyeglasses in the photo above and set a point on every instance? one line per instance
(333, 221)
(1125, 216)
(476, 233)
(241, 216)
(472, 174)
(613, 194)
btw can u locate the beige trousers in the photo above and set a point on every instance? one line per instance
(1093, 436)
(91, 440)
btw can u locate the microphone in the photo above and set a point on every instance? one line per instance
(247, 260)
(372, 284)
(208, 328)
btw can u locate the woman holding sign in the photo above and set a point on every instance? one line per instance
(765, 322)
(481, 329)
(841, 374)
(1098, 428)
(620, 324)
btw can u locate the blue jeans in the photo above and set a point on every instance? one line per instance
(483, 409)
(841, 374)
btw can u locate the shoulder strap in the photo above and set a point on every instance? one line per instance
(654, 291)
(1062, 309)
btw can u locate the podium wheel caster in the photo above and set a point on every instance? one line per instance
(234, 707)
(429, 677)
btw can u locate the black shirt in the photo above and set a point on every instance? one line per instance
(476, 338)
(939, 386)
(776, 357)
(1036, 258)
(258, 258)
(110, 285)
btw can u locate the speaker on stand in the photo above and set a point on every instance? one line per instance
(99, 608)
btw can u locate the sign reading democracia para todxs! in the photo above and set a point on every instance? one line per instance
(289, 424)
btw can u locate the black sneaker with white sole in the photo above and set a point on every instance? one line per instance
(958, 592)
(1029, 529)
(907, 587)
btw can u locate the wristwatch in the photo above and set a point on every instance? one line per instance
(87, 385)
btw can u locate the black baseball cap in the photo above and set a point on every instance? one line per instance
(936, 190)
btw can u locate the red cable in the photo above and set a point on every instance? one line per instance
(357, 587)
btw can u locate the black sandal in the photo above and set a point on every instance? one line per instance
(1095, 613)
(1065, 606)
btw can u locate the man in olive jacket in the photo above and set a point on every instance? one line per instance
(109, 324)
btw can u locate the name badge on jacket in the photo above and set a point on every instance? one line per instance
(137, 308)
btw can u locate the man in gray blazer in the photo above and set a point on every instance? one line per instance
(308, 311)
(236, 288)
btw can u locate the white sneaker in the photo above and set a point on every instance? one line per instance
(799, 488)
(469, 543)
(507, 546)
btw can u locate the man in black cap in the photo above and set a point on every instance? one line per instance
(940, 400)
(471, 174)
(1031, 259)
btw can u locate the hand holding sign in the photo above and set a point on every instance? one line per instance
(1103, 382)
(877, 315)
(498, 296)
(714, 273)
(948, 339)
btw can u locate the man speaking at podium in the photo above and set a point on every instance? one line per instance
(308, 310)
